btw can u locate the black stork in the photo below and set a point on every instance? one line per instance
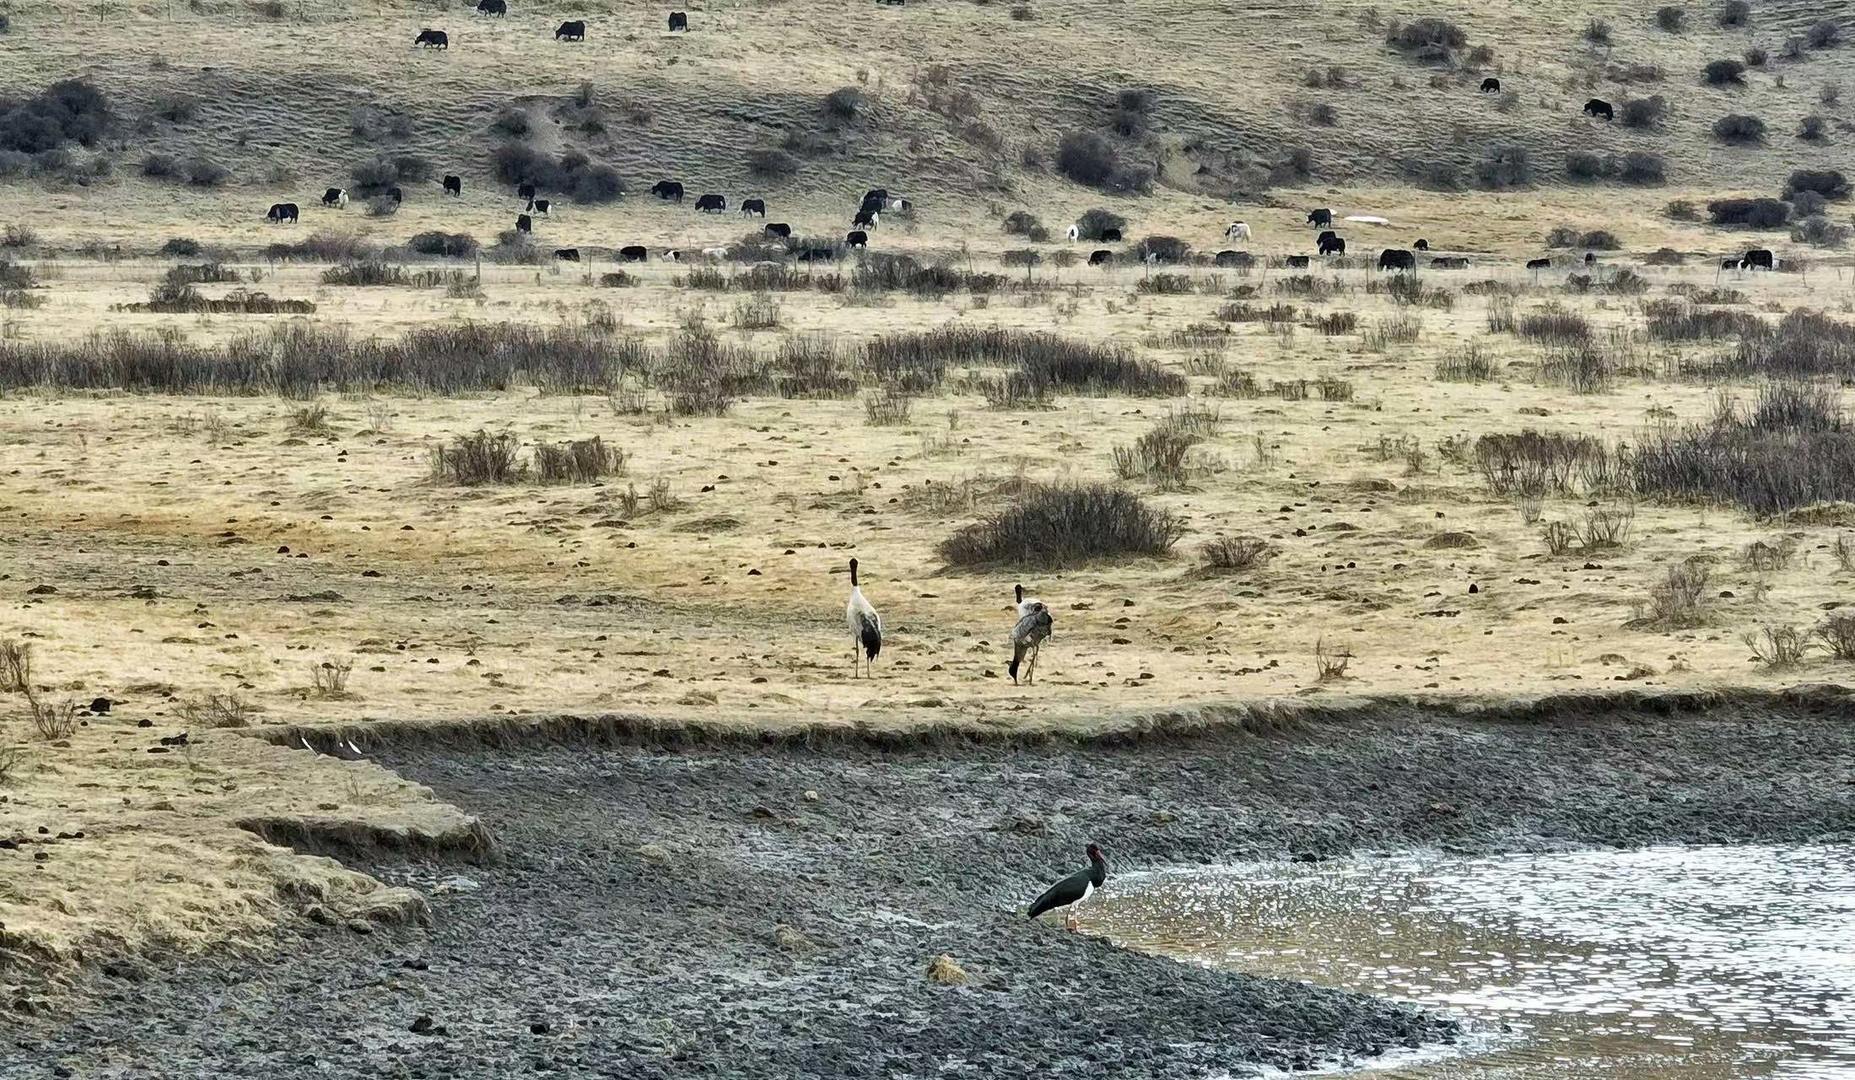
(1074, 889)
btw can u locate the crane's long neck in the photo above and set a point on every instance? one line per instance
(1019, 589)
(853, 578)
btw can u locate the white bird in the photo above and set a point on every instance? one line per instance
(1033, 628)
(347, 751)
(865, 625)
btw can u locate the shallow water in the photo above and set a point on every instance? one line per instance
(1640, 965)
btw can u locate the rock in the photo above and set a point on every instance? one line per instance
(653, 853)
(42, 590)
(422, 1025)
(946, 971)
(539, 1027)
(360, 926)
(810, 795)
(100, 706)
(1451, 540)
(793, 940)
(316, 913)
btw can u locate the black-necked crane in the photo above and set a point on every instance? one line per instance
(865, 625)
(1032, 629)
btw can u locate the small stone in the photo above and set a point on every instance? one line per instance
(422, 1025)
(539, 1027)
(946, 971)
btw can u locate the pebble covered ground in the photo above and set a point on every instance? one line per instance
(844, 911)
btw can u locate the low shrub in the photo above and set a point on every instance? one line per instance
(577, 461)
(1734, 13)
(1644, 113)
(1829, 183)
(1052, 527)
(1671, 18)
(1235, 554)
(1724, 72)
(444, 244)
(1812, 128)
(1739, 129)
(1826, 34)
(1749, 213)
(478, 459)
(1428, 40)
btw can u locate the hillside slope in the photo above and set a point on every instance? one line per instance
(960, 101)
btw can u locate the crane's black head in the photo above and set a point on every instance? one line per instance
(853, 571)
(1095, 854)
(1020, 591)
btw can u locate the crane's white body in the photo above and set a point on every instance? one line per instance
(864, 623)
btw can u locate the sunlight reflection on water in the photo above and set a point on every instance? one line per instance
(1634, 965)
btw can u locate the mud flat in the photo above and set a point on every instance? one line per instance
(773, 908)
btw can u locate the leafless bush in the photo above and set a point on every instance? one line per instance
(477, 459)
(1471, 363)
(1680, 598)
(330, 677)
(578, 461)
(1235, 554)
(1762, 557)
(1330, 661)
(1607, 527)
(16, 666)
(1159, 456)
(52, 719)
(216, 711)
(1777, 646)
(1837, 634)
(1054, 526)
(887, 405)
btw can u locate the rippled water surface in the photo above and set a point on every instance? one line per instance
(1690, 962)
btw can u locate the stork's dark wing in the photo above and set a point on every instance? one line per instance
(1063, 893)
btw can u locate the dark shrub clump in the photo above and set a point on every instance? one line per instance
(1725, 73)
(72, 111)
(1749, 213)
(1829, 183)
(1739, 128)
(1052, 527)
(1644, 112)
(1735, 13)
(1671, 18)
(447, 245)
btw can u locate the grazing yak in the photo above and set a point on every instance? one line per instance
(432, 39)
(857, 238)
(1111, 236)
(1321, 218)
(1332, 245)
(541, 206)
(1296, 262)
(454, 185)
(567, 254)
(524, 223)
(572, 30)
(335, 197)
(1491, 85)
(281, 212)
(1599, 108)
(1450, 262)
(1234, 258)
(525, 191)
(668, 189)
(1539, 264)
(1421, 244)
(1101, 257)
(679, 21)
(1396, 259)
(492, 7)
(1758, 258)
(1590, 258)
(779, 229)
(1237, 230)
(633, 253)
(865, 219)
(712, 203)
(753, 208)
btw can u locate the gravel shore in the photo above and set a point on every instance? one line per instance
(773, 911)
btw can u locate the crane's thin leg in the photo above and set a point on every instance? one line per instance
(853, 659)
